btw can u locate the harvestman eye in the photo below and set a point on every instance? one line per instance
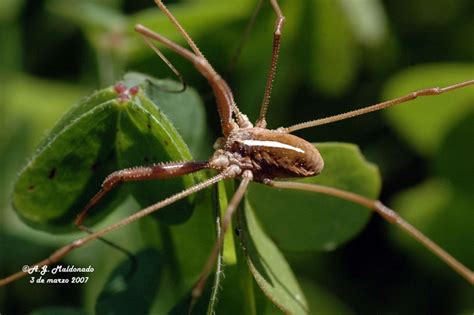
(248, 151)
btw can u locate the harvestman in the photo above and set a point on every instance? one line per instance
(250, 152)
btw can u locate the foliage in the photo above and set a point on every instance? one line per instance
(77, 154)
(334, 58)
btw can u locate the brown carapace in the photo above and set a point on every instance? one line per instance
(268, 154)
(250, 152)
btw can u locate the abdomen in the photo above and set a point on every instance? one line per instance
(277, 154)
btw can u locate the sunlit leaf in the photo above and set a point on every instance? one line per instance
(146, 136)
(367, 19)
(334, 59)
(70, 167)
(232, 284)
(74, 159)
(298, 220)
(423, 123)
(269, 267)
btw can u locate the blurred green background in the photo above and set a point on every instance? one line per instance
(336, 56)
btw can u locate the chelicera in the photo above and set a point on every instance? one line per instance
(247, 151)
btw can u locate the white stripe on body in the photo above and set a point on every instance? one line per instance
(271, 144)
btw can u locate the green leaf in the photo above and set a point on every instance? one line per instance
(233, 291)
(425, 122)
(428, 207)
(186, 248)
(269, 267)
(185, 109)
(101, 134)
(301, 221)
(449, 198)
(146, 136)
(81, 108)
(368, 20)
(132, 288)
(333, 64)
(69, 167)
(182, 256)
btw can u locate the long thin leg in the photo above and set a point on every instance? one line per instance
(271, 73)
(180, 29)
(223, 93)
(233, 204)
(63, 251)
(241, 120)
(224, 97)
(140, 173)
(376, 107)
(130, 256)
(168, 63)
(388, 214)
(158, 171)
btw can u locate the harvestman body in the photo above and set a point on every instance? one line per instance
(248, 151)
